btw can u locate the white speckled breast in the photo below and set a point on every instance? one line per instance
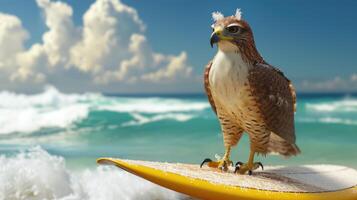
(236, 105)
(228, 76)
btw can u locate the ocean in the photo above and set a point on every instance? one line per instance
(49, 141)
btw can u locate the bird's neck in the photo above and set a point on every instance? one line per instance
(249, 53)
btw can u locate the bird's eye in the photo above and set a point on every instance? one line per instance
(233, 29)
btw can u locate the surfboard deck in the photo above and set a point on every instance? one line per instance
(307, 182)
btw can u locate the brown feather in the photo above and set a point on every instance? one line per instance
(275, 100)
(207, 87)
(268, 115)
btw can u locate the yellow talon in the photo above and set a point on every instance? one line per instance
(220, 164)
(242, 168)
(249, 167)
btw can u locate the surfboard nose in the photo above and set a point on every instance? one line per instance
(107, 161)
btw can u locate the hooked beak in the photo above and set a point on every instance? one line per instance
(214, 38)
(218, 35)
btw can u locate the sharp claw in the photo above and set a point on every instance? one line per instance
(239, 163)
(205, 161)
(250, 172)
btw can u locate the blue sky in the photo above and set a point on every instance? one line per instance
(313, 42)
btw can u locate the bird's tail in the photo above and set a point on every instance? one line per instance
(282, 147)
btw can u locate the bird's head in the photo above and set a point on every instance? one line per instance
(230, 33)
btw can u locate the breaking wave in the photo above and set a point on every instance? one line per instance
(35, 174)
(30, 113)
(329, 120)
(344, 105)
(141, 119)
(153, 105)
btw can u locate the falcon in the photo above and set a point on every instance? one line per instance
(248, 95)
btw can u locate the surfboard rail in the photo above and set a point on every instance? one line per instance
(207, 190)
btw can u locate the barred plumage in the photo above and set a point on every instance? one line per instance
(263, 105)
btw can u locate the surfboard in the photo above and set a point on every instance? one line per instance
(306, 182)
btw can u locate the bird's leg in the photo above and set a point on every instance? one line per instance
(242, 168)
(222, 163)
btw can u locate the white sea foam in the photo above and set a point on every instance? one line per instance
(153, 105)
(141, 119)
(338, 121)
(329, 120)
(29, 113)
(35, 174)
(345, 105)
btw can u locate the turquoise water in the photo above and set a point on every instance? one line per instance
(78, 128)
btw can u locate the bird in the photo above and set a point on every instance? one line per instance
(248, 95)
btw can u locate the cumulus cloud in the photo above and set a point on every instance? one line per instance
(53, 51)
(62, 33)
(108, 26)
(336, 84)
(176, 65)
(111, 46)
(12, 37)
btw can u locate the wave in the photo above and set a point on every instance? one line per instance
(141, 119)
(51, 108)
(344, 105)
(329, 120)
(153, 105)
(28, 113)
(338, 121)
(35, 174)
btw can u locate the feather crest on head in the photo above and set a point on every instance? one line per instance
(217, 16)
(238, 14)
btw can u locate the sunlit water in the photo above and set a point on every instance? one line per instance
(49, 142)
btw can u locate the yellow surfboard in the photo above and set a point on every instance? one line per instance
(308, 182)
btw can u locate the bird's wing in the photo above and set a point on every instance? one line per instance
(207, 86)
(275, 98)
(292, 89)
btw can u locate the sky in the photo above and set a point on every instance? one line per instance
(160, 46)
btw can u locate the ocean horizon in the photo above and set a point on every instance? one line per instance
(60, 135)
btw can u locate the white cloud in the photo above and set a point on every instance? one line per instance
(12, 37)
(62, 33)
(335, 84)
(111, 46)
(26, 63)
(108, 26)
(54, 50)
(176, 65)
(114, 47)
